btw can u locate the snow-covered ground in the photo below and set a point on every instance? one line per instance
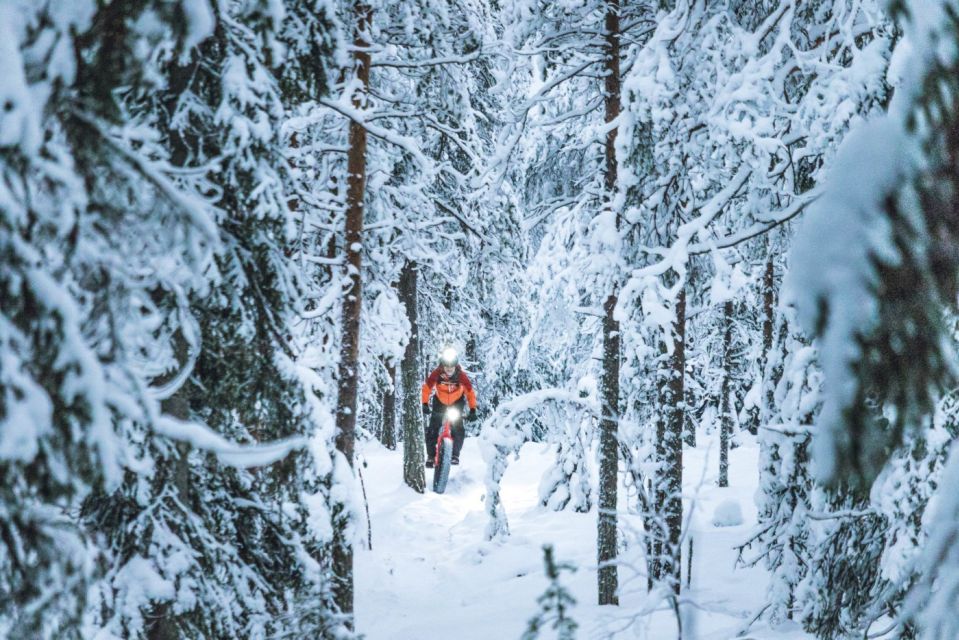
(430, 574)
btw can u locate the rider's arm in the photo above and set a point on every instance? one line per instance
(429, 385)
(468, 390)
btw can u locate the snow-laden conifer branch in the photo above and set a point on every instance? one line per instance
(236, 455)
(769, 223)
(504, 432)
(430, 62)
(542, 92)
(677, 253)
(197, 211)
(406, 143)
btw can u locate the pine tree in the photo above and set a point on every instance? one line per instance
(262, 529)
(554, 603)
(902, 358)
(784, 539)
(413, 453)
(348, 374)
(608, 575)
(725, 397)
(91, 224)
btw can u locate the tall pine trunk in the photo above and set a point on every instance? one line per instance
(760, 412)
(165, 625)
(348, 371)
(608, 575)
(769, 305)
(725, 419)
(669, 453)
(388, 428)
(413, 452)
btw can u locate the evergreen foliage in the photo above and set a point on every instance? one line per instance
(555, 602)
(642, 225)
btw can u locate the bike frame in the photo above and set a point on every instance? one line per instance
(442, 455)
(446, 431)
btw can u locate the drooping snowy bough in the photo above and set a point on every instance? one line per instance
(505, 432)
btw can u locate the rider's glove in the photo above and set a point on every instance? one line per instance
(426, 409)
(471, 415)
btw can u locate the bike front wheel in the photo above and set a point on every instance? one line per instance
(441, 473)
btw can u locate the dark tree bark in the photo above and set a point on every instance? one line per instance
(165, 624)
(608, 575)
(725, 419)
(669, 453)
(388, 428)
(414, 475)
(760, 413)
(348, 371)
(769, 305)
(677, 413)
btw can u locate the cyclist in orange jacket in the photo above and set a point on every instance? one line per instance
(453, 389)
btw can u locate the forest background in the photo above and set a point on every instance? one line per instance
(234, 234)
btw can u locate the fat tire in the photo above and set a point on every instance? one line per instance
(441, 473)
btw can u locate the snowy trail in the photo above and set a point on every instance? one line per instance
(431, 575)
(425, 574)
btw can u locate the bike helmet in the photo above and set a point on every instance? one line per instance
(449, 357)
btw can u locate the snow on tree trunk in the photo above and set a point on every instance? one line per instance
(414, 475)
(725, 408)
(348, 374)
(608, 576)
(669, 454)
(388, 428)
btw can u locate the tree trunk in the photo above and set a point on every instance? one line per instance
(165, 620)
(760, 413)
(608, 575)
(725, 420)
(769, 304)
(669, 453)
(414, 475)
(348, 371)
(677, 411)
(165, 624)
(388, 428)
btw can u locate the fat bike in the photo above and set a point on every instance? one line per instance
(444, 450)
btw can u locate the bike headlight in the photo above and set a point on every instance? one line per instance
(453, 414)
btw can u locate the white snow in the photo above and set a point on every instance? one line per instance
(28, 408)
(843, 233)
(231, 453)
(200, 21)
(138, 582)
(431, 574)
(728, 513)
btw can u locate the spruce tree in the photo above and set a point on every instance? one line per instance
(232, 552)
(92, 223)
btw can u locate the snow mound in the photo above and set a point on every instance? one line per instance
(728, 514)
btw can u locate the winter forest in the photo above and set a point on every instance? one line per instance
(698, 258)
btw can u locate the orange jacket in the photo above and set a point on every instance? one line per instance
(449, 389)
